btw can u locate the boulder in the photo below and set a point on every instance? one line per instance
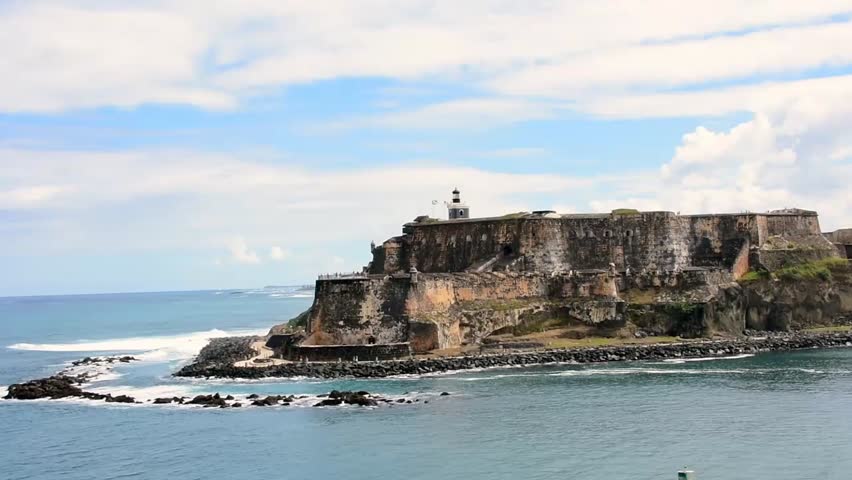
(58, 386)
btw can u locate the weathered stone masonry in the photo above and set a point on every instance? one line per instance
(647, 240)
(447, 283)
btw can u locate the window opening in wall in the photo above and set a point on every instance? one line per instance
(628, 233)
(607, 234)
(507, 250)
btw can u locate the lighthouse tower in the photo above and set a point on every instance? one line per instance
(457, 210)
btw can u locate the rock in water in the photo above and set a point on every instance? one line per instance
(120, 399)
(58, 386)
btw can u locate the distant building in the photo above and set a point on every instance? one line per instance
(457, 210)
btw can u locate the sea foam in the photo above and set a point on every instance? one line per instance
(155, 348)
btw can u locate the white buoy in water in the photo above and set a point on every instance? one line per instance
(685, 475)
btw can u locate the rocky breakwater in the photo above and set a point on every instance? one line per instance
(764, 342)
(227, 350)
(70, 380)
(60, 386)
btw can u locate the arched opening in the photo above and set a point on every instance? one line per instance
(507, 250)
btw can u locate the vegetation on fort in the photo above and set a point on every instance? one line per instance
(609, 341)
(625, 211)
(540, 325)
(821, 270)
(682, 309)
(515, 215)
(816, 270)
(754, 275)
(300, 321)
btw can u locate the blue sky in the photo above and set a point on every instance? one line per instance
(157, 145)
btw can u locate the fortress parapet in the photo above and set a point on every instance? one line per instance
(636, 241)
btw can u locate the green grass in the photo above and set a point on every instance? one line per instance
(755, 275)
(625, 211)
(515, 215)
(821, 270)
(607, 341)
(816, 270)
(300, 321)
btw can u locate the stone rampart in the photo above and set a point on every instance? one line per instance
(444, 284)
(556, 243)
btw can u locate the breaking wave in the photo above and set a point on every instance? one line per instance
(155, 348)
(708, 359)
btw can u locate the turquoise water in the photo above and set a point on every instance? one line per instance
(772, 416)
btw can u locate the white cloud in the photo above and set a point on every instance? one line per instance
(757, 165)
(170, 199)
(822, 93)
(240, 252)
(64, 54)
(469, 113)
(278, 254)
(29, 196)
(687, 62)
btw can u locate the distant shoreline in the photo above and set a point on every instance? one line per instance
(663, 351)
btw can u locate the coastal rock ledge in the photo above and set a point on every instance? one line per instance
(419, 366)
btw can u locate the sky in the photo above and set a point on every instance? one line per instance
(154, 145)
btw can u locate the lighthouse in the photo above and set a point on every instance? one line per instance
(457, 210)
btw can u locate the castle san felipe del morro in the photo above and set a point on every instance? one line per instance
(451, 283)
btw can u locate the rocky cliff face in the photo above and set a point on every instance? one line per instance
(795, 305)
(437, 311)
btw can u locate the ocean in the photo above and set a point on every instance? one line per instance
(769, 416)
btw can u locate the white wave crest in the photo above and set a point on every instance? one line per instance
(708, 359)
(156, 348)
(646, 371)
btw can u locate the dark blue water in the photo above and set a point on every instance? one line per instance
(772, 416)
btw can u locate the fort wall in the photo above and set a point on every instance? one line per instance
(444, 284)
(556, 243)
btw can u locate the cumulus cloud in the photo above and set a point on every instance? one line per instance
(240, 252)
(770, 161)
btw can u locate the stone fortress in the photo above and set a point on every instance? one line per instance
(444, 284)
